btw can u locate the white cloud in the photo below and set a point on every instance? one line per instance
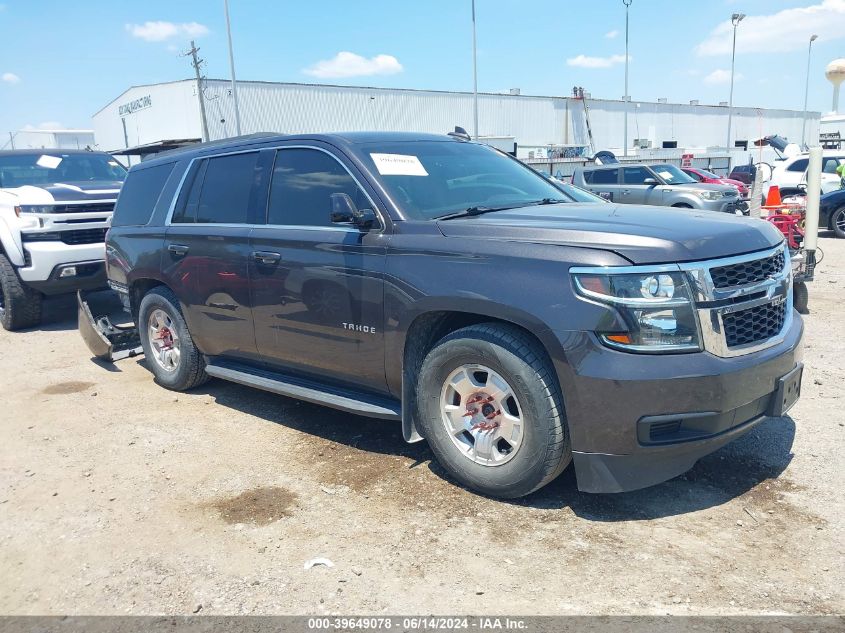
(584, 61)
(46, 125)
(721, 76)
(159, 31)
(10, 78)
(786, 30)
(346, 64)
(611, 34)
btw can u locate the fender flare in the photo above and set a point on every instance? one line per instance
(10, 237)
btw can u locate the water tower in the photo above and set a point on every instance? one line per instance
(835, 73)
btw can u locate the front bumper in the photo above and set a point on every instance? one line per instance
(46, 261)
(638, 420)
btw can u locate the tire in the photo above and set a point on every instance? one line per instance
(682, 205)
(183, 370)
(20, 305)
(506, 353)
(837, 222)
(801, 297)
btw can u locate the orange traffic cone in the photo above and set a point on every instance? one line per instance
(773, 199)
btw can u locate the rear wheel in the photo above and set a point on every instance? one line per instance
(837, 222)
(20, 305)
(490, 407)
(170, 351)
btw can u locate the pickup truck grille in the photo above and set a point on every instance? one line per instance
(80, 236)
(92, 207)
(754, 324)
(747, 272)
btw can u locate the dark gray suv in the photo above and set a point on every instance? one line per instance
(657, 184)
(437, 282)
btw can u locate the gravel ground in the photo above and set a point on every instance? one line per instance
(118, 496)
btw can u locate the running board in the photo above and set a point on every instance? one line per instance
(349, 401)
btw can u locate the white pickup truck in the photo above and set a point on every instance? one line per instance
(55, 208)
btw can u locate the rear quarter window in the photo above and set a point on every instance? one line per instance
(139, 195)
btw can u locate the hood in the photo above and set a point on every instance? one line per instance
(704, 186)
(641, 234)
(67, 192)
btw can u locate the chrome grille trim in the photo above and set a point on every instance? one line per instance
(713, 303)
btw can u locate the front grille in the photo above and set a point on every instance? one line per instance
(81, 236)
(754, 325)
(747, 272)
(27, 259)
(84, 236)
(94, 207)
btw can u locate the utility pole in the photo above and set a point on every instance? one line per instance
(196, 64)
(813, 38)
(627, 4)
(736, 18)
(232, 67)
(474, 77)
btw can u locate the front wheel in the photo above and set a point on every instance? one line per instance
(682, 205)
(20, 305)
(837, 222)
(168, 346)
(490, 407)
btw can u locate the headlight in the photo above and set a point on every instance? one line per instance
(35, 208)
(656, 307)
(709, 195)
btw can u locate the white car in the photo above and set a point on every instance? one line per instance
(55, 209)
(792, 171)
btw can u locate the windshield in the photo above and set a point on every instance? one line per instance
(17, 170)
(671, 175)
(707, 174)
(429, 179)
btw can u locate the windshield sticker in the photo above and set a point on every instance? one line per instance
(665, 174)
(48, 162)
(398, 165)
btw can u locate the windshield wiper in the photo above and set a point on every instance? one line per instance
(537, 203)
(466, 213)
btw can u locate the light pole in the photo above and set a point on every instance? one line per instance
(232, 66)
(474, 78)
(736, 18)
(813, 38)
(627, 4)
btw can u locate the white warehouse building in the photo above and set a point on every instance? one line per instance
(167, 114)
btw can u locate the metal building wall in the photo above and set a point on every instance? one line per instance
(533, 121)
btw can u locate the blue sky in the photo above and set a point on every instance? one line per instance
(61, 61)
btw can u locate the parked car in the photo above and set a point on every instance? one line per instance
(790, 174)
(832, 212)
(437, 282)
(55, 206)
(702, 175)
(743, 173)
(657, 184)
(576, 193)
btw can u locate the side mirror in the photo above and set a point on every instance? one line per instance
(344, 211)
(650, 181)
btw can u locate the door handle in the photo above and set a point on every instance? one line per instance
(179, 250)
(266, 257)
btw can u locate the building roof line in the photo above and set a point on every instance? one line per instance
(451, 92)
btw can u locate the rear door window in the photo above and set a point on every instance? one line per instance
(602, 177)
(139, 195)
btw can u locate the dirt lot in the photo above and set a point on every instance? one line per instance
(118, 496)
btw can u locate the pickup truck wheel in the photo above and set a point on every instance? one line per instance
(837, 222)
(20, 305)
(490, 407)
(170, 351)
(682, 205)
